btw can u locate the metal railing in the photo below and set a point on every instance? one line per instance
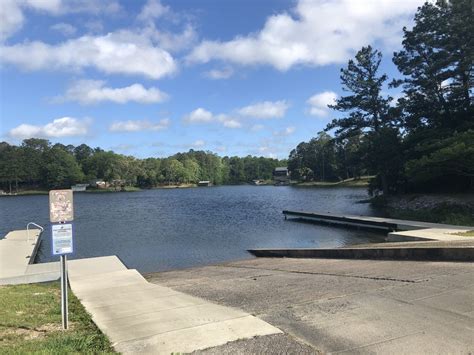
(28, 229)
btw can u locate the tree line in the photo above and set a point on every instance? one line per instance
(36, 163)
(424, 141)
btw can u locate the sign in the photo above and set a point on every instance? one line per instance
(60, 206)
(62, 239)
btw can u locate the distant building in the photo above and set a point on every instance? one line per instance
(99, 184)
(204, 183)
(79, 187)
(281, 175)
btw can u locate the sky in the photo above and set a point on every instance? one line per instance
(151, 78)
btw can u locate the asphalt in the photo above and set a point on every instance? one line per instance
(342, 306)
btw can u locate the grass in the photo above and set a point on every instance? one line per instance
(362, 182)
(465, 234)
(444, 213)
(30, 322)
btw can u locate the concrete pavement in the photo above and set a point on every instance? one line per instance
(439, 234)
(16, 253)
(345, 306)
(141, 317)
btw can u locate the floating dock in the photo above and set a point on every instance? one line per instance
(416, 240)
(17, 254)
(379, 223)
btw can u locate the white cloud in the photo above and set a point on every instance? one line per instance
(257, 127)
(199, 115)
(218, 74)
(60, 127)
(198, 144)
(65, 29)
(173, 42)
(139, 125)
(95, 91)
(153, 9)
(11, 13)
(122, 52)
(319, 103)
(228, 121)
(285, 132)
(316, 32)
(265, 109)
(12, 17)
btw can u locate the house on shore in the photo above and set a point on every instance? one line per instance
(204, 183)
(79, 187)
(281, 176)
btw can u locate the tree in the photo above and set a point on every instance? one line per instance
(33, 150)
(438, 86)
(11, 167)
(368, 110)
(61, 169)
(437, 62)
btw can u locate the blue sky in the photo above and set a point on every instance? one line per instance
(151, 78)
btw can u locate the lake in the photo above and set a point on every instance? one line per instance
(162, 229)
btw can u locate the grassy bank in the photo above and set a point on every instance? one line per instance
(30, 322)
(362, 182)
(443, 211)
(466, 234)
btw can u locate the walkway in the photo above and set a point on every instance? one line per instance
(400, 230)
(345, 306)
(141, 317)
(16, 253)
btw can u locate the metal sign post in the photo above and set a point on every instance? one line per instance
(61, 211)
(64, 303)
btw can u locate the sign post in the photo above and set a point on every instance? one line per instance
(61, 210)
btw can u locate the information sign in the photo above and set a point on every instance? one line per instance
(62, 239)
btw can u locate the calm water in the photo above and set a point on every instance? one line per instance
(162, 229)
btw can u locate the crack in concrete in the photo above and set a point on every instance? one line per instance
(327, 274)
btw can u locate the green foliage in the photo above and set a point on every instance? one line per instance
(445, 213)
(425, 142)
(60, 169)
(445, 158)
(38, 165)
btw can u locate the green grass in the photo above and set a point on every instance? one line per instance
(30, 322)
(444, 213)
(466, 234)
(362, 182)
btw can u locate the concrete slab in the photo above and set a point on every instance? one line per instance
(440, 234)
(16, 252)
(132, 307)
(107, 280)
(148, 324)
(91, 266)
(190, 339)
(136, 293)
(138, 315)
(347, 306)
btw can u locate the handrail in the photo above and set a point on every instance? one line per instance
(28, 229)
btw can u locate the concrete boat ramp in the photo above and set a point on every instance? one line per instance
(136, 315)
(140, 317)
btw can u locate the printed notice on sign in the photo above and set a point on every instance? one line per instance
(62, 239)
